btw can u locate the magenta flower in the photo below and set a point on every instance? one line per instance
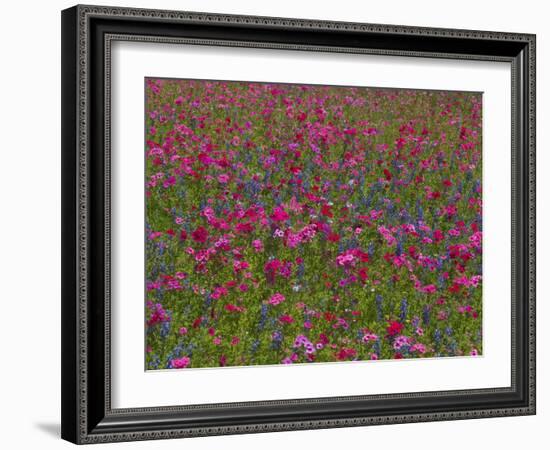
(258, 245)
(180, 363)
(200, 235)
(223, 178)
(276, 298)
(279, 214)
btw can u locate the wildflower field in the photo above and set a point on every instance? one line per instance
(304, 223)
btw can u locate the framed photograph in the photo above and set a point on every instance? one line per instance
(281, 224)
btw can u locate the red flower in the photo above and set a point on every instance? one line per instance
(244, 227)
(183, 235)
(326, 210)
(287, 318)
(346, 353)
(279, 214)
(271, 269)
(455, 288)
(364, 257)
(400, 143)
(295, 169)
(387, 174)
(323, 339)
(333, 237)
(200, 235)
(233, 308)
(394, 328)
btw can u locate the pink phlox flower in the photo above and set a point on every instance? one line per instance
(276, 299)
(279, 214)
(387, 235)
(418, 347)
(258, 245)
(476, 239)
(180, 363)
(401, 341)
(367, 337)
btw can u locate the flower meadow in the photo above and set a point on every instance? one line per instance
(291, 224)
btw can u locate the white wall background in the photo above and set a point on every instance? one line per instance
(30, 222)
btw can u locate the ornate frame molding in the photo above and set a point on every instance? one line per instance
(80, 423)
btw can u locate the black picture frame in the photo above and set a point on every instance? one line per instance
(87, 32)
